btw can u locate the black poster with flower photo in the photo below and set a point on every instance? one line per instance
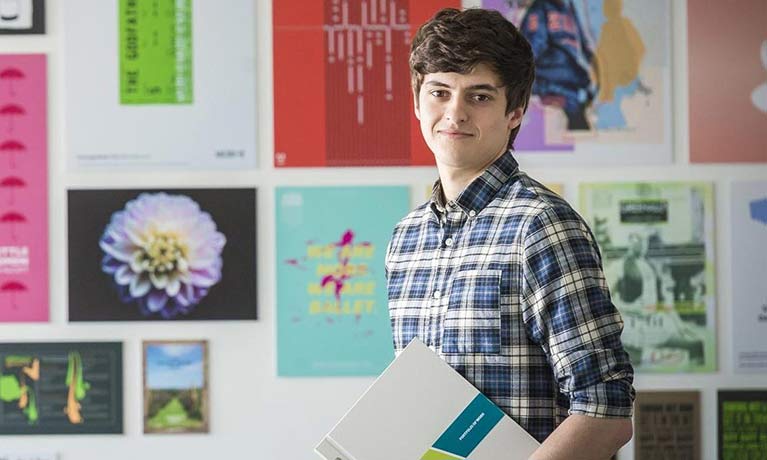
(166, 255)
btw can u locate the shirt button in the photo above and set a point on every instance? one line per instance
(449, 242)
(472, 213)
(437, 294)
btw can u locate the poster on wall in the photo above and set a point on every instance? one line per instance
(742, 424)
(722, 100)
(748, 210)
(602, 93)
(23, 188)
(162, 255)
(168, 84)
(176, 386)
(22, 17)
(667, 425)
(357, 109)
(332, 312)
(657, 247)
(61, 388)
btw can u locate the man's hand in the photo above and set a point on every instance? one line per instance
(582, 437)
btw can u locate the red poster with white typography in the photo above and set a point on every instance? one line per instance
(23, 188)
(342, 92)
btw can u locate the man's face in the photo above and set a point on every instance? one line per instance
(463, 117)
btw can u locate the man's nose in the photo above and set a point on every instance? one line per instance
(456, 110)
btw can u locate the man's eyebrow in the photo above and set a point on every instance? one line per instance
(481, 86)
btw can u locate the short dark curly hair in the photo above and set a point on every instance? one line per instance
(458, 41)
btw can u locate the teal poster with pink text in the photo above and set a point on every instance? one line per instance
(332, 314)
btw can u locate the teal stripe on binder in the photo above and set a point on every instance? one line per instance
(470, 428)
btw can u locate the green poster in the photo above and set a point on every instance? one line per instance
(155, 51)
(657, 247)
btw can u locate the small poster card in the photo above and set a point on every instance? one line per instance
(667, 425)
(176, 386)
(742, 424)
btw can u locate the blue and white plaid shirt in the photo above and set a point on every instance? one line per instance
(506, 285)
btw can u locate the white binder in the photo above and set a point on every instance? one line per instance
(422, 409)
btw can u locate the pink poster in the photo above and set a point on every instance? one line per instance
(728, 81)
(23, 188)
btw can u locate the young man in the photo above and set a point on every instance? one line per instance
(496, 273)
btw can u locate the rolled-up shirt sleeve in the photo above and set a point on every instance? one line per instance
(567, 310)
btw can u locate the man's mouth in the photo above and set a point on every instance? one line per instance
(454, 134)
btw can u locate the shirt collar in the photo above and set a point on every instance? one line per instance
(478, 194)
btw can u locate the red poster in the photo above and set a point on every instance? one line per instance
(342, 92)
(23, 188)
(728, 81)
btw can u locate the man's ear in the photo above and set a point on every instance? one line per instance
(515, 117)
(416, 109)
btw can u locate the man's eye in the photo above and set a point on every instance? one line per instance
(481, 97)
(438, 93)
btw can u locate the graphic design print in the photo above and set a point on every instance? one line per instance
(60, 388)
(162, 254)
(742, 424)
(722, 100)
(23, 188)
(19, 17)
(602, 77)
(357, 108)
(748, 210)
(658, 254)
(332, 313)
(166, 85)
(176, 387)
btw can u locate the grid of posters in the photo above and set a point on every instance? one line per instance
(165, 255)
(23, 188)
(667, 425)
(602, 93)
(167, 85)
(176, 386)
(657, 247)
(723, 101)
(357, 109)
(22, 17)
(742, 424)
(61, 388)
(332, 312)
(749, 272)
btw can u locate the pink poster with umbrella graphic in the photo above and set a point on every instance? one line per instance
(23, 188)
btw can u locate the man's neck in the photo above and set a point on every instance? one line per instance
(455, 180)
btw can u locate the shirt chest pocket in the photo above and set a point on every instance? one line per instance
(472, 321)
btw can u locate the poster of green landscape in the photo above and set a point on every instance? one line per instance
(175, 387)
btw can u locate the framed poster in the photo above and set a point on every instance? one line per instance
(61, 388)
(23, 188)
(176, 386)
(723, 101)
(742, 424)
(602, 93)
(22, 17)
(657, 247)
(667, 425)
(357, 109)
(168, 85)
(748, 217)
(332, 310)
(162, 255)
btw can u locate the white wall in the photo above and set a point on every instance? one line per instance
(255, 414)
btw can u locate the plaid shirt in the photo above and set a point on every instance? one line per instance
(506, 285)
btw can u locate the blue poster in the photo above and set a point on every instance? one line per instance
(332, 314)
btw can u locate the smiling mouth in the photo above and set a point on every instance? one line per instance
(455, 134)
